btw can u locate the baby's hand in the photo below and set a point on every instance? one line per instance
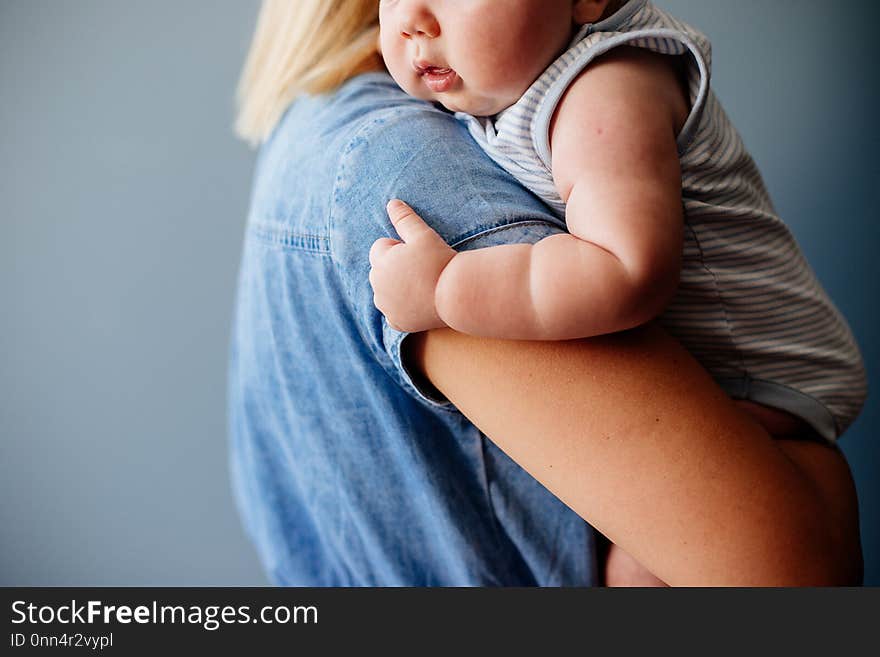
(404, 273)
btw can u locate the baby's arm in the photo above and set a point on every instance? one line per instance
(615, 163)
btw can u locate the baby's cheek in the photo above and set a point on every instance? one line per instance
(401, 75)
(392, 55)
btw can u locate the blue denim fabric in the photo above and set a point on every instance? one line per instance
(344, 471)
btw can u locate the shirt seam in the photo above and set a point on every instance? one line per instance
(721, 303)
(278, 235)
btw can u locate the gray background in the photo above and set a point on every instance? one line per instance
(122, 201)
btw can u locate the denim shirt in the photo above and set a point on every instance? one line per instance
(345, 472)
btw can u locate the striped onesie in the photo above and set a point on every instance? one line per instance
(748, 306)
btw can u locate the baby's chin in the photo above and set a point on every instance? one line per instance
(469, 105)
(459, 100)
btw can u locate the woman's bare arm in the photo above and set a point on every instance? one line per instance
(631, 432)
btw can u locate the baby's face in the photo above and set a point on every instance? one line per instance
(474, 56)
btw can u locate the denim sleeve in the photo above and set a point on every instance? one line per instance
(427, 159)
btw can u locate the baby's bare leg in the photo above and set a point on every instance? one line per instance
(621, 569)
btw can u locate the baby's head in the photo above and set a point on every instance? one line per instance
(478, 56)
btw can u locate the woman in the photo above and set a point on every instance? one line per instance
(359, 454)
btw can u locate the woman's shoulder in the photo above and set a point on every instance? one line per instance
(348, 151)
(301, 158)
(366, 104)
(405, 148)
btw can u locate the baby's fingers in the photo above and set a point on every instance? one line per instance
(380, 247)
(407, 223)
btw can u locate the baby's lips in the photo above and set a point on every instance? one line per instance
(439, 80)
(423, 66)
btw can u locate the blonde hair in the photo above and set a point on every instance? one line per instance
(302, 47)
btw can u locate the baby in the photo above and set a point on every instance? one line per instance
(603, 110)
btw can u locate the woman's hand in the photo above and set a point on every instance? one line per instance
(404, 273)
